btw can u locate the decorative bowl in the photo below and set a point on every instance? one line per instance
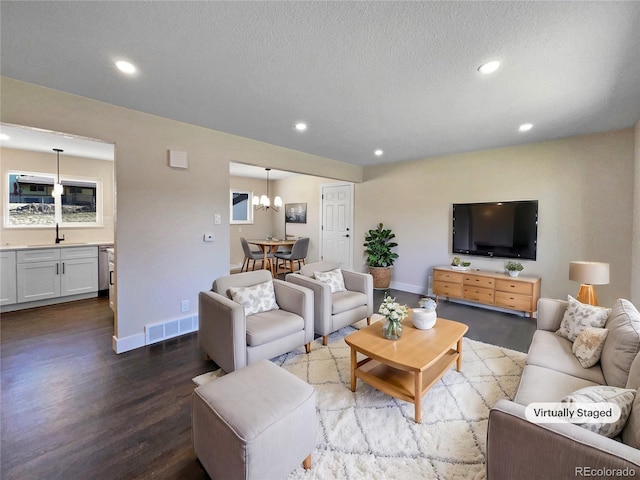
(423, 319)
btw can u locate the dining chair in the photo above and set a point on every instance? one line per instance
(251, 255)
(298, 253)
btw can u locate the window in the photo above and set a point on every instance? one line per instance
(241, 207)
(30, 203)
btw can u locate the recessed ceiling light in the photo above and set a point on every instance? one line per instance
(525, 127)
(125, 67)
(489, 67)
(4, 136)
(378, 153)
(301, 126)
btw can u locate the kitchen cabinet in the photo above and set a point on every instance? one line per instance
(56, 272)
(8, 280)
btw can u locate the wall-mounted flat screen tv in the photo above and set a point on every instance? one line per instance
(498, 229)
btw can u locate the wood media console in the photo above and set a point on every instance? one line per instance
(488, 288)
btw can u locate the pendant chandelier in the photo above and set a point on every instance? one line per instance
(57, 187)
(264, 202)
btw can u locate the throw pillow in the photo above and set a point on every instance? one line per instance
(333, 278)
(579, 316)
(588, 346)
(255, 299)
(622, 397)
(623, 343)
(631, 433)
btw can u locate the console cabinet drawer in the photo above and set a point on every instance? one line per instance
(447, 289)
(445, 276)
(513, 300)
(482, 295)
(524, 288)
(479, 281)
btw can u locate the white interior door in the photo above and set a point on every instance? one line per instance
(337, 223)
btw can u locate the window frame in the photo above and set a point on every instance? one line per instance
(249, 211)
(65, 180)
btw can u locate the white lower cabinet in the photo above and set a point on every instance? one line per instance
(8, 284)
(56, 272)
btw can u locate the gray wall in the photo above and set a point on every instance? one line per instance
(584, 186)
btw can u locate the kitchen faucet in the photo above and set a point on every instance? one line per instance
(58, 239)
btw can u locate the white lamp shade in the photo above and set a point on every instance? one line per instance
(590, 273)
(264, 201)
(255, 201)
(277, 202)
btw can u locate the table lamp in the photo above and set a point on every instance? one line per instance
(589, 274)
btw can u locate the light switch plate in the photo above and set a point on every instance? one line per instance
(217, 220)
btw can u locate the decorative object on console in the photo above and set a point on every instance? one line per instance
(378, 244)
(460, 265)
(589, 274)
(264, 202)
(425, 317)
(513, 268)
(393, 313)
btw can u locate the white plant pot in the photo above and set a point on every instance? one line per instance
(514, 273)
(423, 319)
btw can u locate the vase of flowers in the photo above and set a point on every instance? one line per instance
(393, 313)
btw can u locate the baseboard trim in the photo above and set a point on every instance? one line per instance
(121, 345)
(49, 301)
(157, 332)
(407, 287)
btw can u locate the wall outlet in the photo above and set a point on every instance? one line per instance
(184, 306)
(208, 237)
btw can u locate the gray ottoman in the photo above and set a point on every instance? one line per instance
(258, 422)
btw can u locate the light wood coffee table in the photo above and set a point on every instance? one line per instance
(406, 368)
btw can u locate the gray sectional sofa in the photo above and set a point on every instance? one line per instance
(519, 448)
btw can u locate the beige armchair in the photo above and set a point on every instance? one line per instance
(234, 340)
(333, 311)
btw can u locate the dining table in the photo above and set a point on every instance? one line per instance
(270, 246)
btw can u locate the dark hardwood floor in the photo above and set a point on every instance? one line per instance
(73, 409)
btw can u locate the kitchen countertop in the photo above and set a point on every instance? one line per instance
(55, 245)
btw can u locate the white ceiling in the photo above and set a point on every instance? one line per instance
(400, 76)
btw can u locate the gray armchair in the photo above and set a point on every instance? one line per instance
(234, 340)
(333, 311)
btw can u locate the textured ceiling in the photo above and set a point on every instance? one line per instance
(399, 76)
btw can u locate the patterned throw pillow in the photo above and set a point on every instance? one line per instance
(579, 316)
(333, 277)
(623, 397)
(255, 299)
(588, 346)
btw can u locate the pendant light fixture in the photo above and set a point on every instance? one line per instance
(57, 187)
(264, 202)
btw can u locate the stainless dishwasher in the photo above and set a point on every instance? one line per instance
(103, 269)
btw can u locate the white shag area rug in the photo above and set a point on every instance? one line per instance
(367, 434)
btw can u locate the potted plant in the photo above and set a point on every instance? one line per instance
(378, 244)
(513, 268)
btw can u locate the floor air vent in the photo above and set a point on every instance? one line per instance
(169, 329)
